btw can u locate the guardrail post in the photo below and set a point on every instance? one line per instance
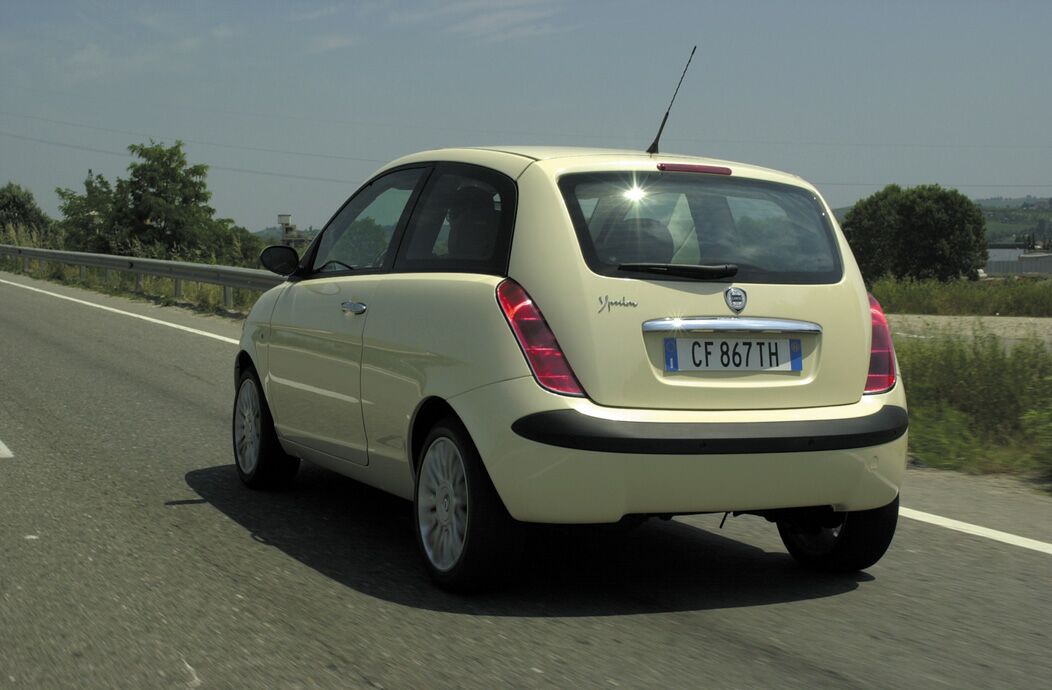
(178, 288)
(25, 264)
(138, 282)
(228, 297)
(83, 274)
(109, 276)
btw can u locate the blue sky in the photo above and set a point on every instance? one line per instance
(292, 104)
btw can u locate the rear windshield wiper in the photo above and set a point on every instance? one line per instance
(710, 271)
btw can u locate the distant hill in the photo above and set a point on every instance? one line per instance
(271, 235)
(1027, 201)
(1009, 223)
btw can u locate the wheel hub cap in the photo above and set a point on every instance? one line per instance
(442, 503)
(247, 427)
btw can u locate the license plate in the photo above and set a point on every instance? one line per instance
(733, 354)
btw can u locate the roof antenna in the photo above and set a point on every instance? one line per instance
(654, 147)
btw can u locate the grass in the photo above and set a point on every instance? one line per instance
(1007, 297)
(978, 405)
(202, 297)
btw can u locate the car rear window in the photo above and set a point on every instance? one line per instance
(774, 233)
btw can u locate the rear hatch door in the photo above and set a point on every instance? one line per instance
(709, 292)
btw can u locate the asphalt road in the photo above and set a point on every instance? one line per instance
(131, 556)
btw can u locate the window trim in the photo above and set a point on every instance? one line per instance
(305, 270)
(440, 168)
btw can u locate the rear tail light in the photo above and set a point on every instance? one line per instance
(881, 376)
(537, 341)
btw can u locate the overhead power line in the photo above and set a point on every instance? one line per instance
(247, 171)
(592, 136)
(944, 184)
(312, 178)
(238, 147)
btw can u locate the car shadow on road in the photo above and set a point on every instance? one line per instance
(362, 538)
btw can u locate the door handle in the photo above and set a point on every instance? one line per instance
(353, 307)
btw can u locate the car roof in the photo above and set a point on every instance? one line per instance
(513, 160)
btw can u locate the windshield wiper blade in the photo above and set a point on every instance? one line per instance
(710, 271)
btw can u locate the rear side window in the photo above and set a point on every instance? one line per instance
(463, 223)
(774, 233)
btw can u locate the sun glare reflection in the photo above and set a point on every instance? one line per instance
(635, 194)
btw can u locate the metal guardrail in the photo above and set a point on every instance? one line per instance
(229, 277)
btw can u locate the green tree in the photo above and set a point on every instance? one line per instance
(363, 243)
(159, 211)
(19, 210)
(920, 232)
(88, 218)
(163, 205)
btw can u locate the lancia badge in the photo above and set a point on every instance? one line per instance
(735, 298)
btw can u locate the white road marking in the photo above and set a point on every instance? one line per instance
(195, 680)
(976, 530)
(159, 322)
(5, 452)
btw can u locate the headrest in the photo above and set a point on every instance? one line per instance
(635, 240)
(470, 199)
(473, 224)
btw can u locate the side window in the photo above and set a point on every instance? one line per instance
(359, 237)
(463, 222)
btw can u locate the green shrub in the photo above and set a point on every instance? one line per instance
(1039, 426)
(1008, 297)
(977, 404)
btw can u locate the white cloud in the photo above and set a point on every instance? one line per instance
(188, 45)
(323, 44)
(488, 19)
(93, 63)
(507, 24)
(316, 13)
(222, 31)
(156, 22)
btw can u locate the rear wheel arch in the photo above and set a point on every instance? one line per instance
(428, 413)
(241, 363)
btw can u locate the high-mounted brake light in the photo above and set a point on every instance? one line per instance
(537, 341)
(694, 168)
(882, 373)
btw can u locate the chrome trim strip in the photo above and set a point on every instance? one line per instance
(731, 324)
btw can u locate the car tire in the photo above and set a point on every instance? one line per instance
(466, 536)
(260, 460)
(855, 544)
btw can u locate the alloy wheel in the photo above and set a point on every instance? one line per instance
(442, 503)
(247, 427)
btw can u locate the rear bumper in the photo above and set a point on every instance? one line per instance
(572, 429)
(567, 460)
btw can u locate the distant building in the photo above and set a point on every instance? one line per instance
(290, 236)
(1005, 251)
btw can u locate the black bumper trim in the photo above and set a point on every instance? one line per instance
(571, 429)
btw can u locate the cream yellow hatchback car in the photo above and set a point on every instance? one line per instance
(558, 335)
